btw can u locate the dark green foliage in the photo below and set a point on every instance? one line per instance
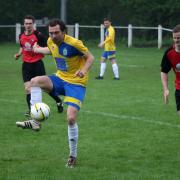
(85, 12)
(14, 11)
(136, 12)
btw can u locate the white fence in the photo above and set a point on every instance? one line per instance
(74, 30)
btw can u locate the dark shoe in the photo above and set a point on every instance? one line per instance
(27, 114)
(116, 78)
(99, 77)
(71, 162)
(60, 107)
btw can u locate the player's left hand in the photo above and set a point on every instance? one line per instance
(80, 73)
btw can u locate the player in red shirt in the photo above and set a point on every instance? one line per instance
(171, 60)
(32, 62)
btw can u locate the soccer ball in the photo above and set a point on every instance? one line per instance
(40, 111)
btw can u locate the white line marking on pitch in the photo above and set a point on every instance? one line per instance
(132, 118)
(113, 116)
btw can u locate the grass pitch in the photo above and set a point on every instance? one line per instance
(125, 130)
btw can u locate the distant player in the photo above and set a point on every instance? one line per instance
(171, 60)
(109, 50)
(32, 62)
(73, 61)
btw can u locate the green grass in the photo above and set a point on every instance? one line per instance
(125, 130)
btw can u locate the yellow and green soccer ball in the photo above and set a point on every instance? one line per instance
(40, 111)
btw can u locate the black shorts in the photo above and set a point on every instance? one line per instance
(177, 97)
(30, 70)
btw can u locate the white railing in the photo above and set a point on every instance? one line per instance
(74, 30)
(130, 32)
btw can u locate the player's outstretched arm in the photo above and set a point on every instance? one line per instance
(42, 50)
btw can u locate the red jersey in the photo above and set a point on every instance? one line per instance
(27, 42)
(171, 59)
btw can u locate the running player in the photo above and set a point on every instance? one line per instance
(32, 62)
(171, 60)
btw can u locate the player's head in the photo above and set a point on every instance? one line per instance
(107, 22)
(176, 35)
(29, 22)
(57, 29)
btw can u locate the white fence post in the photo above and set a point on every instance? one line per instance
(18, 31)
(130, 36)
(77, 31)
(70, 30)
(159, 36)
(101, 33)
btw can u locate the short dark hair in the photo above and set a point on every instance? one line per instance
(107, 19)
(55, 21)
(29, 17)
(176, 28)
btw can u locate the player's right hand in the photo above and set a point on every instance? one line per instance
(166, 95)
(100, 45)
(16, 56)
(80, 73)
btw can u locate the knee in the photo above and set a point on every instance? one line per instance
(34, 81)
(71, 115)
(113, 61)
(71, 119)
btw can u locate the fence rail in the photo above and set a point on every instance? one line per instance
(74, 30)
